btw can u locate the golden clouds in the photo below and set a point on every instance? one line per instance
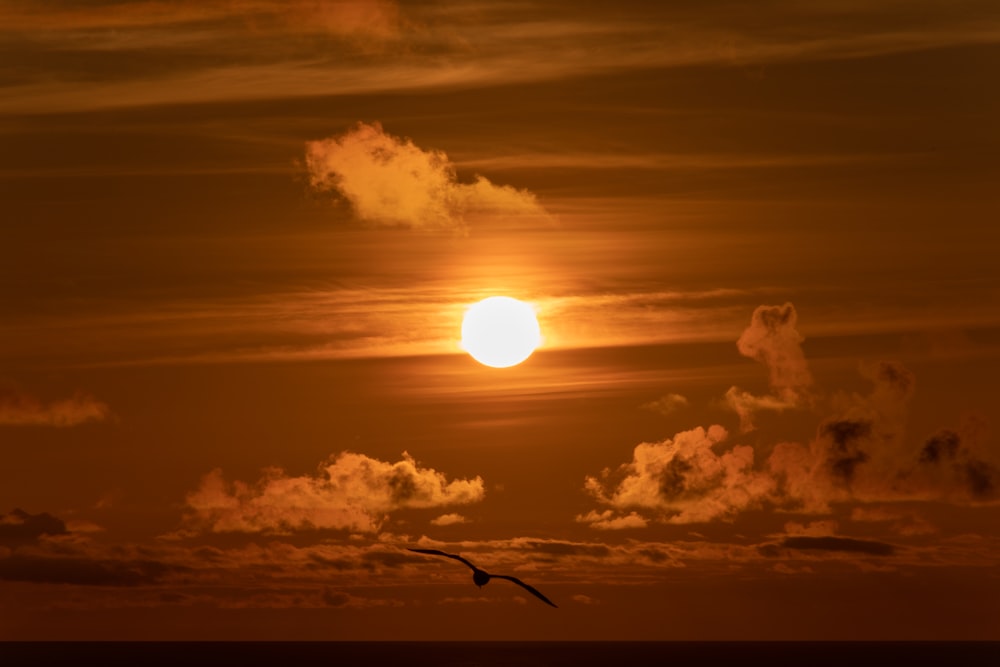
(391, 182)
(860, 452)
(351, 492)
(684, 479)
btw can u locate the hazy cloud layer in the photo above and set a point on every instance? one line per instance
(350, 492)
(372, 19)
(192, 51)
(390, 181)
(18, 409)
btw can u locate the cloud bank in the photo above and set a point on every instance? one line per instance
(860, 453)
(350, 492)
(391, 182)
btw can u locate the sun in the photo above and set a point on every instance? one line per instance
(500, 331)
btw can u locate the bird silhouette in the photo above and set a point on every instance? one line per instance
(482, 577)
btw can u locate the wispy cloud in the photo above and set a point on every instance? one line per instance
(19, 409)
(431, 45)
(390, 181)
(666, 404)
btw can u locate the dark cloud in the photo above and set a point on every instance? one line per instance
(82, 571)
(844, 439)
(981, 479)
(320, 562)
(949, 454)
(891, 377)
(569, 548)
(19, 527)
(333, 598)
(655, 555)
(828, 543)
(388, 558)
(942, 446)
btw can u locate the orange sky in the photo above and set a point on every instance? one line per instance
(239, 236)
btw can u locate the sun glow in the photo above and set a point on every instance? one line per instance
(500, 331)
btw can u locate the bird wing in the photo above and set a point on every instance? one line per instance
(435, 552)
(530, 589)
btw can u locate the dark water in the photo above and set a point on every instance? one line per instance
(495, 654)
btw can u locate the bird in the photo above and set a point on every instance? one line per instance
(482, 577)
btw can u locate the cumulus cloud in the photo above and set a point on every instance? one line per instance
(390, 181)
(666, 404)
(773, 340)
(448, 519)
(684, 479)
(350, 492)
(607, 520)
(17, 409)
(860, 453)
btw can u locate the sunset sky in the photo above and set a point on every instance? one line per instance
(238, 238)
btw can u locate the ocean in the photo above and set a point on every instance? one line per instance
(496, 654)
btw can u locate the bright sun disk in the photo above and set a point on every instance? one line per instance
(500, 331)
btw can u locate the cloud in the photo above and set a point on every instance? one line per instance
(860, 452)
(684, 480)
(606, 520)
(350, 492)
(357, 19)
(370, 19)
(81, 571)
(666, 404)
(17, 409)
(830, 543)
(19, 527)
(773, 340)
(948, 460)
(448, 520)
(391, 182)
(811, 529)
